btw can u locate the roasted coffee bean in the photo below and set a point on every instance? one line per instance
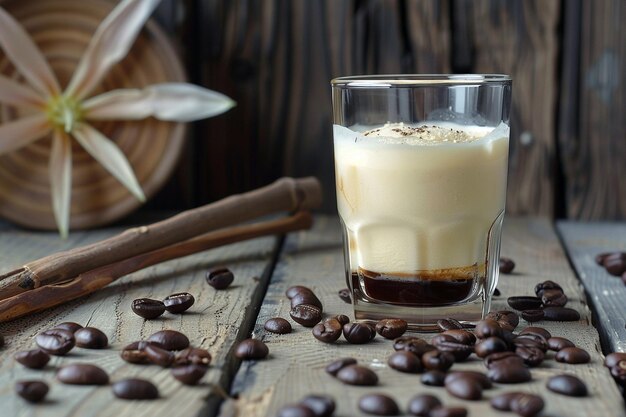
(378, 405)
(567, 385)
(306, 297)
(449, 324)
(358, 333)
(433, 378)
(135, 352)
(545, 286)
(510, 358)
(449, 412)
(614, 358)
(502, 402)
(295, 410)
(508, 320)
(170, 339)
(488, 328)
(527, 405)
(496, 293)
(306, 315)
(321, 405)
(482, 378)
(69, 326)
(189, 374)
(437, 360)
(422, 404)
(615, 263)
(344, 294)
(404, 361)
(31, 391)
(391, 328)
(159, 356)
(561, 314)
(553, 298)
(412, 344)
(572, 355)
(522, 302)
(504, 373)
(251, 349)
(461, 336)
(91, 338)
(540, 331)
(295, 289)
(135, 389)
(506, 265)
(56, 341)
(342, 318)
(533, 315)
(220, 278)
(191, 355)
(601, 256)
(490, 345)
(458, 342)
(465, 388)
(178, 303)
(357, 375)
(558, 343)
(532, 356)
(618, 372)
(327, 332)
(147, 308)
(278, 325)
(82, 374)
(336, 366)
(33, 359)
(531, 340)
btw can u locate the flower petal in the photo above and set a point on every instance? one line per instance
(21, 132)
(16, 94)
(60, 169)
(25, 55)
(110, 156)
(177, 102)
(110, 44)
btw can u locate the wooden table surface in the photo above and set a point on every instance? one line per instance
(264, 268)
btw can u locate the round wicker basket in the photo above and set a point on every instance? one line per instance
(62, 30)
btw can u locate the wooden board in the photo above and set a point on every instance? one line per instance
(296, 364)
(215, 322)
(606, 293)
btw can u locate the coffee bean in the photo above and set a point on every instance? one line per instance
(159, 356)
(433, 378)
(546, 286)
(278, 325)
(531, 340)
(135, 389)
(567, 385)
(191, 355)
(465, 388)
(504, 373)
(618, 372)
(344, 294)
(69, 326)
(614, 358)
(357, 375)
(490, 345)
(553, 298)
(449, 412)
(327, 332)
(488, 328)
(91, 338)
(32, 391)
(56, 341)
(336, 366)
(480, 377)
(615, 263)
(178, 303)
(251, 349)
(295, 289)
(342, 318)
(523, 302)
(526, 405)
(378, 405)
(306, 297)
(508, 320)
(82, 374)
(540, 331)
(561, 314)
(306, 315)
(422, 404)
(496, 293)
(458, 342)
(295, 410)
(135, 352)
(502, 402)
(220, 278)
(33, 359)
(572, 355)
(510, 358)
(533, 315)
(532, 356)
(391, 328)
(437, 360)
(147, 308)
(189, 374)
(506, 265)
(449, 324)
(321, 405)
(412, 344)
(404, 361)
(170, 339)
(358, 333)
(558, 343)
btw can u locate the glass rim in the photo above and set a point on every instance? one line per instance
(418, 80)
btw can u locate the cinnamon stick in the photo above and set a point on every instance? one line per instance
(52, 295)
(285, 194)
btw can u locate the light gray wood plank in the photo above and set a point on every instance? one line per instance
(583, 241)
(296, 364)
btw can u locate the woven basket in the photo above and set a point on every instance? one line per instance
(62, 30)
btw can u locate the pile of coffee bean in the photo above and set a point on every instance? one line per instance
(614, 263)
(151, 309)
(314, 405)
(548, 304)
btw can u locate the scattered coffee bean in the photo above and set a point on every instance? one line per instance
(449, 324)
(503, 373)
(572, 355)
(404, 361)
(539, 331)
(91, 338)
(496, 292)
(531, 341)
(147, 308)
(135, 389)
(391, 328)
(527, 405)
(615, 263)
(69, 326)
(295, 410)
(306, 315)
(321, 405)
(618, 372)
(191, 355)
(553, 298)
(490, 345)
(599, 258)
(357, 375)
(448, 412)
(189, 374)
(508, 320)
(278, 325)
(532, 356)
(480, 377)
(336, 366)
(135, 352)
(561, 314)
(220, 278)
(33, 359)
(614, 358)
(31, 391)
(159, 356)
(178, 303)
(567, 385)
(523, 302)
(358, 333)
(558, 343)
(433, 378)
(458, 342)
(170, 339)
(56, 341)
(545, 286)
(437, 360)
(422, 404)
(306, 297)
(378, 405)
(510, 358)
(344, 294)
(502, 402)
(533, 315)
(506, 265)
(465, 388)
(327, 332)
(251, 349)
(295, 289)
(82, 374)
(488, 328)
(342, 318)
(413, 344)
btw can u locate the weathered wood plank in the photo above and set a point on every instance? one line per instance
(215, 322)
(297, 361)
(606, 293)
